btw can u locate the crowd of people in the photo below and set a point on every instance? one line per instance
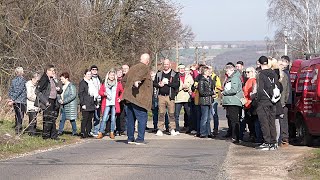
(256, 99)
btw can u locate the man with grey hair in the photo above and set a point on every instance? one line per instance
(18, 97)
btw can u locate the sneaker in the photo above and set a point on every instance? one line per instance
(177, 132)
(159, 133)
(99, 136)
(273, 147)
(140, 143)
(215, 132)
(173, 132)
(95, 135)
(284, 144)
(193, 132)
(131, 142)
(263, 147)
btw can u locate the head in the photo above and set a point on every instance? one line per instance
(231, 64)
(125, 69)
(119, 73)
(182, 69)
(264, 62)
(87, 74)
(206, 71)
(153, 74)
(35, 77)
(285, 61)
(211, 69)
(145, 59)
(240, 65)
(251, 72)
(187, 71)
(166, 65)
(200, 68)
(111, 75)
(273, 63)
(50, 71)
(229, 70)
(64, 77)
(94, 70)
(19, 71)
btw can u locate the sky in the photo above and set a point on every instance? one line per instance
(227, 20)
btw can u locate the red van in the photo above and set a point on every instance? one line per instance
(305, 112)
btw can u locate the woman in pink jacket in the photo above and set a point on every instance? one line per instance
(111, 92)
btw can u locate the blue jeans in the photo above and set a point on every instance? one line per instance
(178, 107)
(205, 128)
(63, 121)
(96, 121)
(214, 112)
(106, 117)
(141, 115)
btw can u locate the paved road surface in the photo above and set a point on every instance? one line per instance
(181, 157)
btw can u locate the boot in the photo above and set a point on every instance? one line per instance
(112, 135)
(100, 135)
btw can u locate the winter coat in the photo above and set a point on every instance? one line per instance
(31, 97)
(119, 93)
(217, 84)
(206, 91)
(142, 95)
(85, 98)
(18, 91)
(286, 90)
(247, 90)
(43, 92)
(264, 84)
(233, 92)
(289, 100)
(195, 89)
(70, 102)
(184, 95)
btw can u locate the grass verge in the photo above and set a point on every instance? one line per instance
(11, 145)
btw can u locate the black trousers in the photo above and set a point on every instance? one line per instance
(50, 115)
(86, 123)
(250, 118)
(19, 110)
(233, 113)
(121, 121)
(32, 122)
(267, 115)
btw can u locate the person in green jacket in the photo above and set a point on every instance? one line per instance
(68, 103)
(231, 100)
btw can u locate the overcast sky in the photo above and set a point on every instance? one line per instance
(227, 20)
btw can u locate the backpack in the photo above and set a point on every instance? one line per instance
(275, 92)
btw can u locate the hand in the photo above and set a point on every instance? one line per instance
(10, 102)
(60, 101)
(137, 83)
(119, 99)
(58, 88)
(97, 106)
(84, 107)
(214, 96)
(105, 93)
(47, 104)
(161, 84)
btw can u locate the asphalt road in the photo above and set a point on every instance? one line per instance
(180, 157)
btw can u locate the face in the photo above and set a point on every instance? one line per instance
(166, 65)
(153, 75)
(229, 72)
(63, 80)
(35, 79)
(182, 70)
(94, 71)
(88, 75)
(51, 72)
(249, 73)
(125, 69)
(187, 72)
(119, 73)
(207, 72)
(258, 64)
(239, 67)
(111, 76)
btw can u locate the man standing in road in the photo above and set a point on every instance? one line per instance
(167, 82)
(138, 94)
(97, 82)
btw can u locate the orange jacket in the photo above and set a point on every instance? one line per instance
(247, 89)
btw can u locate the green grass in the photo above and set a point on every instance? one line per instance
(312, 165)
(11, 145)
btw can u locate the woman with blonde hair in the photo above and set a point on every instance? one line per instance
(111, 92)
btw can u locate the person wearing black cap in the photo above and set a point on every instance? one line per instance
(266, 109)
(97, 82)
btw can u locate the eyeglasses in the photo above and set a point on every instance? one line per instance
(248, 72)
(94, 69)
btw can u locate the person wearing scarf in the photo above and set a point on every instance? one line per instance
(87, 96)
(109, 91)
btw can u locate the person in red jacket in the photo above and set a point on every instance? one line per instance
(111, 92)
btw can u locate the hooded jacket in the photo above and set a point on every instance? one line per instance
(263, 83)
(233, 92)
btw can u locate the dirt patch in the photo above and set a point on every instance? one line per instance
(247, 163)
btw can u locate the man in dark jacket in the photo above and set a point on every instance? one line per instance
(167, 82)
(47, 91)
(266, 109)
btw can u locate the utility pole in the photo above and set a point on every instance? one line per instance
(156, 65)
